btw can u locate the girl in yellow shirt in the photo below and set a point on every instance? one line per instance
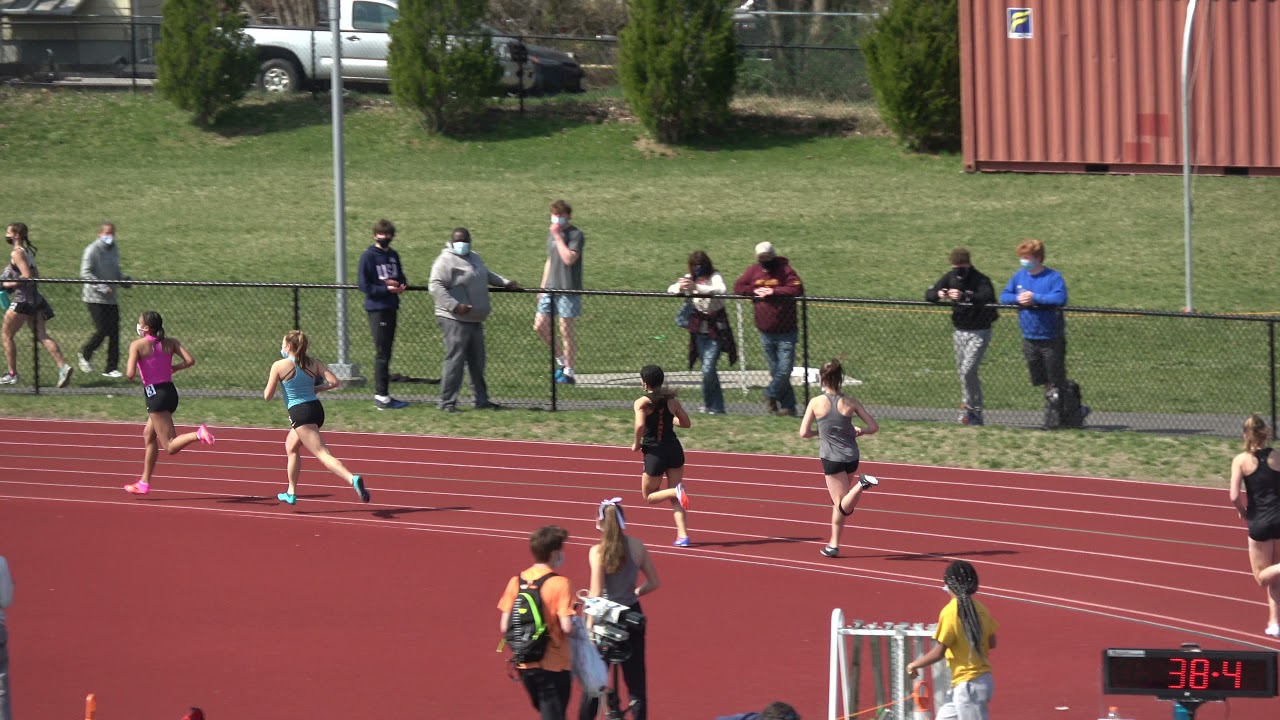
(966, 634)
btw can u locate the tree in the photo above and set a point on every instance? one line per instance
(445, 78)
(678, 62)
(913, 60)
(204, 61)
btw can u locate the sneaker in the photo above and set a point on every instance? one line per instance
(868, 481)
(205, 435)
(113, 374)
(771, 405)
(138, 488)
(489, 406)
(682, 496)
(357, 482)
(681, 542)
(390, 404)
(829, 551)
(287, 498)
(1272, 631)
(84, 365)
(565, 379)
(9, 379)
(64, 376)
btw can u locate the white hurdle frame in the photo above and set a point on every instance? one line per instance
(906, 640)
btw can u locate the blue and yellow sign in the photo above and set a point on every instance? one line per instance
(1019, 20)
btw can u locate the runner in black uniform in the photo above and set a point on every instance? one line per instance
(658, 414)
(1258, 470)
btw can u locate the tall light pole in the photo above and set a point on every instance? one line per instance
(1187, 32)
(344, 368)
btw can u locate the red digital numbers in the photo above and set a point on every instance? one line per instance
(1195, 674)
(1198, 677)
(1235, 674)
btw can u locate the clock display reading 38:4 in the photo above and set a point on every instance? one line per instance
(1205, 674)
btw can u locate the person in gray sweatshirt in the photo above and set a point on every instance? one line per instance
(459, 285)
(101, 261)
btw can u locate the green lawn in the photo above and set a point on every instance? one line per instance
(856, 215)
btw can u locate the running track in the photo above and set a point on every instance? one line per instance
(210, 592)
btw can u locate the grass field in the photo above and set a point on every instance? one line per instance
(856, 215)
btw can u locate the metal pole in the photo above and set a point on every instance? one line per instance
(804, 319)
(344, 369)
(1187, 30)
(552, 329)
(1271, 333)
(35, 358)
(133, 47)
(297, 317)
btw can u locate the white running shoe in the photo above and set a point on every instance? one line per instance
(84, 365)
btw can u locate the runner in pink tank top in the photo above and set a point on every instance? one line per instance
(151, 356)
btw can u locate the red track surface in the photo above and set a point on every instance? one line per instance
(209, 592)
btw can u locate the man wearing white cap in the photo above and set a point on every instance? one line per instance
(774, 285)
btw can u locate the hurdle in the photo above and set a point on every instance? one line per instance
(902, 642)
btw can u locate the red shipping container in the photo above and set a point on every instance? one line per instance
(1096, 86)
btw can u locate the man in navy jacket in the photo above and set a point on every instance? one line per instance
(382, 280)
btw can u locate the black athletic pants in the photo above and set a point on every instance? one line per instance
(549, 691)
(106, 326)
(633, 674)
(382, 323)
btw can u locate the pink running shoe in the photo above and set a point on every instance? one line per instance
(205, 435)
(138, 488)
(682, 496)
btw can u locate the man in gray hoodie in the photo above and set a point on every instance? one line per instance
(101, 261)
(459, 285)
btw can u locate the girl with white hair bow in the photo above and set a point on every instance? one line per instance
(617, 561)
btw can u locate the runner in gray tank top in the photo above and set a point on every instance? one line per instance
(833, 413)
(617, 562)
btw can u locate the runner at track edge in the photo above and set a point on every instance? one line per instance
(1257, 469)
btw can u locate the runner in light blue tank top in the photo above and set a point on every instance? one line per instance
(838, 447)
(301, 377)
(298, 389)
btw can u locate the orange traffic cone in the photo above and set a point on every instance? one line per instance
(923, 701)
(90, 706)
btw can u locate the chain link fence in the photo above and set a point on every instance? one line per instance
(783, 61)
(1153, 372)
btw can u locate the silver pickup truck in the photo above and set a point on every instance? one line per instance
(292, 58)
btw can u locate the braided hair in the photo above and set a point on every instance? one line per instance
(962, 580)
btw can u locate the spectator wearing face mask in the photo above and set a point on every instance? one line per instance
(562, 271)
(969, 292)
(709, 330)
(774, 285)
(459, 286)
(1040, 292)
(382, 280)
(101, 261)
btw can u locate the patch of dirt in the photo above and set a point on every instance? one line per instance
(652, 148)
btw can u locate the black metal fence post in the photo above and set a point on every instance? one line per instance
(35, 357)
(297, 315)
(804, 324)
(552, 347)
(1271, 334)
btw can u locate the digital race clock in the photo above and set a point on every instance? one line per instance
(1188, 674)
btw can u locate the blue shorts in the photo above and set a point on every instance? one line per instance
(567, 305)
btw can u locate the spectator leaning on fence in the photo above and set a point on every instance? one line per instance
(6, 599)
(709, 330)
(459, 286)
(101, 261)
(382, 280)
(1041, 292)
(969, 292)
(774, 285)
(562, 271)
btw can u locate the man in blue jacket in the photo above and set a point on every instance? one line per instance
(1041, 292)
(382, 280)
